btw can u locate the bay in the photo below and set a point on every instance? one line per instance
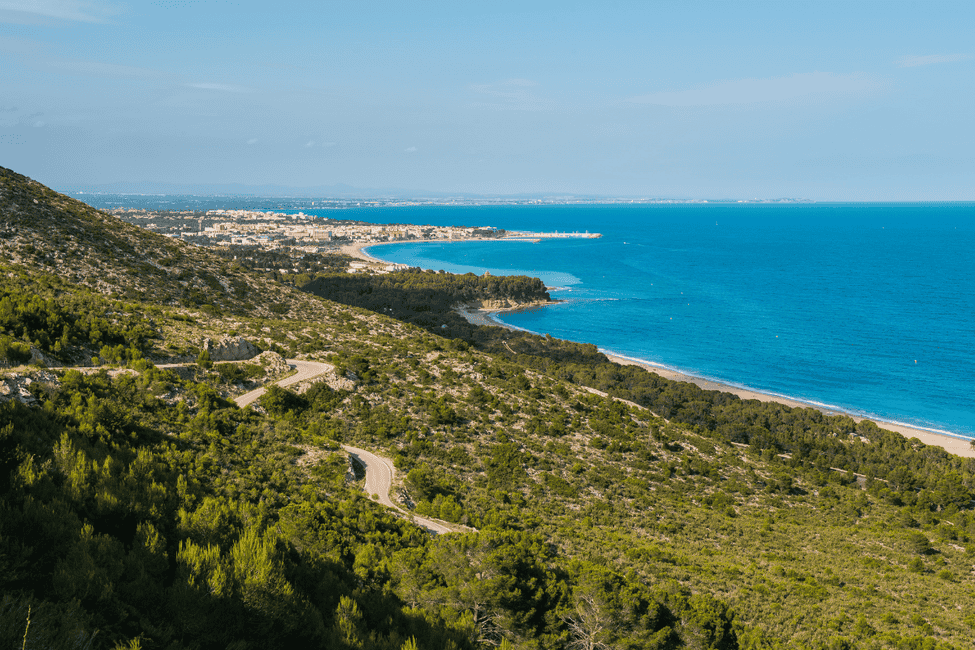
(865, 308)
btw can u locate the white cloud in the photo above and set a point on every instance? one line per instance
(511, 95)
(753, 91)
(75, 10)
(309, 144)
(252, 141)
(410, 150)
(225, 88)
(929, 59)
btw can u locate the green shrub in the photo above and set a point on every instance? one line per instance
(15, 352)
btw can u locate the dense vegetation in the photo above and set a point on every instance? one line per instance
(141, 507)
(297, 266)
(926, 475)
(193, 525)
(424, 298)
(37, 311)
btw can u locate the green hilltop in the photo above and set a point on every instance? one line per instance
(595, 505)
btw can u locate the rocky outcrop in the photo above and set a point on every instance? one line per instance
(334, 381)
(17, 386)
(273, 363)
(231, 348)
(504, 303)
(38, 358)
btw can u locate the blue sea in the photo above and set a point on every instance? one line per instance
(864, 308)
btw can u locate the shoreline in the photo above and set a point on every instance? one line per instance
(357, 249)
(959, 446)
(954, 444)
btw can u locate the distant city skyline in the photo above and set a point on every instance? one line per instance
(828, 101)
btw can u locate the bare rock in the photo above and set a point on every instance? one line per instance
(38, 358)
(502, 304)
(273, 362)
(340, 383)
(17, 386)
(230, 348)
(330, 378)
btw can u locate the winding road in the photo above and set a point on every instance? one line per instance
(379, 471)
(306, 370)
(379, 480)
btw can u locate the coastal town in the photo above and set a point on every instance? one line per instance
(300, 233)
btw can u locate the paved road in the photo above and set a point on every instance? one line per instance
(379, 474)
(379, 481)
(379, 471)
(306, 370)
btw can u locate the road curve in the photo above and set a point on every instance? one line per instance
(379, 474)
(379, 481)
(379, 471)
(306, 370)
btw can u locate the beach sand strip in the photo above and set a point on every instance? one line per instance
(958, 446)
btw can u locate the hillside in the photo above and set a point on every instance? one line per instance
(139, 507)
(52, 233)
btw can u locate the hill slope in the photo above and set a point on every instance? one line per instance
(56, 234)
(142, 506)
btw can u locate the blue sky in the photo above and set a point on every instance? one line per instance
(823, 100)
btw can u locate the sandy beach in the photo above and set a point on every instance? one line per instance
(357, 251)
(958, 446)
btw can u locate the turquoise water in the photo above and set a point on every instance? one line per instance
(868, 309)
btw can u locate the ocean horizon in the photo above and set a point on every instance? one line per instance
(866, 309)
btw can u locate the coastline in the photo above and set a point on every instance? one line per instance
(357, 249)
(959, 446)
